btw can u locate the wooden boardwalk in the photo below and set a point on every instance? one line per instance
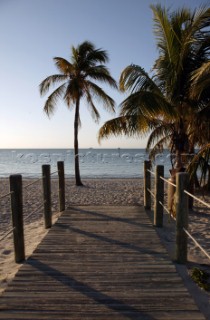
(101, 262)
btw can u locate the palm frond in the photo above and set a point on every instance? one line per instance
(86, 55)
(101, 73)
(178, 50)
(97, 56)
(84, 48)
(201, 19)
(100, 95)
(163, 31)
(201, 80)
(160, 131)
(51, 102)
(49, 81)
(73, 92)
(94, 112)
(200, 160)
(130, 126)
(146, 97)
(64, 66)
(148, 104)
(158, 147)
(134, 78)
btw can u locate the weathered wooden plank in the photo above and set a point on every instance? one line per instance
(100, 316)
(99, 263)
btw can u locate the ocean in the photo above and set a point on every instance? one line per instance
(94, 163)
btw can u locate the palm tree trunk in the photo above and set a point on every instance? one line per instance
(193, 180)
(181, 144)
(76, 145)
(178, 163)
(208, 182)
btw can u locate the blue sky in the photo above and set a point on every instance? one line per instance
(32, 32)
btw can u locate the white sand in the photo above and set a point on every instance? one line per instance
(100, 192)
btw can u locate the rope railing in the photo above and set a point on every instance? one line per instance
(151, 172)
(152, 194)
(181, 208)
(167, 211)
(52, 173)
(32, 183)
(188, 233)
(27, 203)
(8, 232)
(164, 207)
(16, 199)
(157, 195)
(148, 189)
(169, 182)
(33, 212)
(5, 195)
(197, 199)
(28, 192)
(196, 243)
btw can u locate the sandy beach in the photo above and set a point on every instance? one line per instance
(98, 192)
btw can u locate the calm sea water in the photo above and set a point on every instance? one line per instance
(94, 163)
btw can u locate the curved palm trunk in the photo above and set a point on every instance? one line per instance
(76, 145)
(180, 144)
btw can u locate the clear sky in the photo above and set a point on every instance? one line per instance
(32, 32)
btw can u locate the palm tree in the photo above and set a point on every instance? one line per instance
(77, 78)
(201, 88)
(163, 104)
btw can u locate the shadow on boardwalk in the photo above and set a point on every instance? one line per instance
(101, 262)
(90, 292)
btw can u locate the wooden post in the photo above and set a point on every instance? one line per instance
(181, 200)
(47, 195)
(159, 196)
(147, 184)
(61, 182)
(17, 216)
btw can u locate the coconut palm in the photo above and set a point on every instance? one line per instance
(201, 88)
(78, 79)
(162, 104)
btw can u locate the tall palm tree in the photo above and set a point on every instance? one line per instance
(201, 160)
(163, 102)
(78, 79)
